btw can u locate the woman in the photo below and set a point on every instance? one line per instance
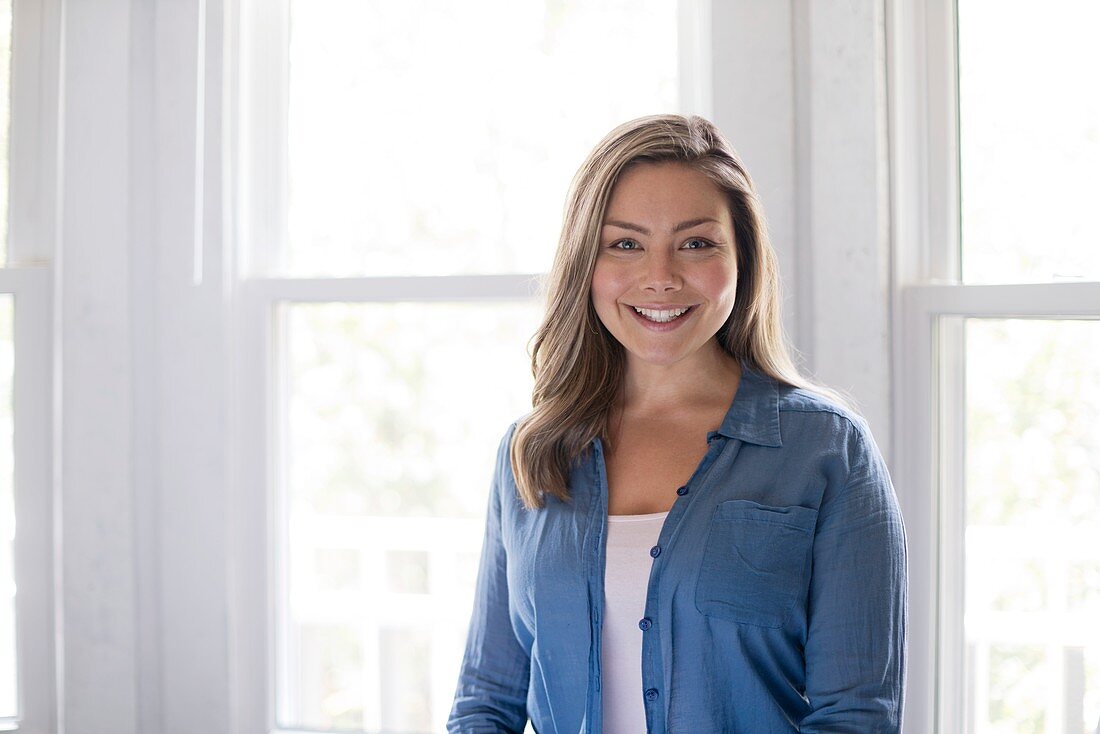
(684, 535)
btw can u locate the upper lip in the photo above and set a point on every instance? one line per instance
(660, 306)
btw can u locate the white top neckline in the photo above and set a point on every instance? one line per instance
(637, 518)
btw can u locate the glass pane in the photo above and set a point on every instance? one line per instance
(1029, 125)
(5, 121)
(9, 701)
(393, 415)
(440, 137)
(1033, 526)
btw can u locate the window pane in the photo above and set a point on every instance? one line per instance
(1032, 526)
(1029, 118)
(440, 137)
(393, 416)
(9, 706)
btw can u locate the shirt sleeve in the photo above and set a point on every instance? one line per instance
(855, 645)
(492, 682)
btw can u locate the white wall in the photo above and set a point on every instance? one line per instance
(142, 354)
(800, 90)
(98, 682)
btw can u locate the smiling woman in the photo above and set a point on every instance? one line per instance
(684, 534)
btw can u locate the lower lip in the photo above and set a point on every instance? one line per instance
(659, 325)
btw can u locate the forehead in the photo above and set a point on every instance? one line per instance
(652, 188)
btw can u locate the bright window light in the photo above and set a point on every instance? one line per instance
(1029, 124)
(440, 139)
(1032, 526)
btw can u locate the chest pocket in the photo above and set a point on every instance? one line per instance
(756, 562)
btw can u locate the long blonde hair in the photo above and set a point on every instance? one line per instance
(578, 365)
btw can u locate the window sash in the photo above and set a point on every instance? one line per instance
(259, 380)
(931, 470)
(928, 347)
(261, 109)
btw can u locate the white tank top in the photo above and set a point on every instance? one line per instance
(626, 580)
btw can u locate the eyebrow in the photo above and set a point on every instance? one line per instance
(678, 228)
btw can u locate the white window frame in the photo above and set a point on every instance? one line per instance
(256, 80)
(28, 278)
(929, 350)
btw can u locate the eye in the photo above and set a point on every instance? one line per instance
(696, 243)
(625, 245)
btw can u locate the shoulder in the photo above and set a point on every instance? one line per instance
(814, 425)
(800, 401)
(504, 478)
(504, 449)
(809, 416)
(502, 473)
(510, 431)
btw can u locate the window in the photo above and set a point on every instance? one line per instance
(998, 355)
(400, 182)
(29, 37)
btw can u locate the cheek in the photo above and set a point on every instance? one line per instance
(720, 285)
(605, 288)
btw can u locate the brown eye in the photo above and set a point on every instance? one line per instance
(696, 244)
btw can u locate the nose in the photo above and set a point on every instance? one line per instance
(661, 272)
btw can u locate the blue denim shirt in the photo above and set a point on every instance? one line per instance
(776, 600)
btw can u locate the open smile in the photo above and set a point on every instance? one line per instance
(665, 318)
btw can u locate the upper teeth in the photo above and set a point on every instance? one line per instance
(661, 315)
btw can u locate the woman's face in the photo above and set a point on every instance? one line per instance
(666, 273)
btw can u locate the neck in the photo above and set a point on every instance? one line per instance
(709, 377)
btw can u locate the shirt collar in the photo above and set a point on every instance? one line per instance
(753, 416)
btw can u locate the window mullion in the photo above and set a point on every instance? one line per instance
(941, 143)
(444, 288)
(1030, 300)
(261, 107)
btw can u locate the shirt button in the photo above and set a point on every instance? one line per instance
(645, 623)
(682, 490)
(651, 694)
(655, 551)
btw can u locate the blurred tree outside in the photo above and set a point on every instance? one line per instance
(1033, 520)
